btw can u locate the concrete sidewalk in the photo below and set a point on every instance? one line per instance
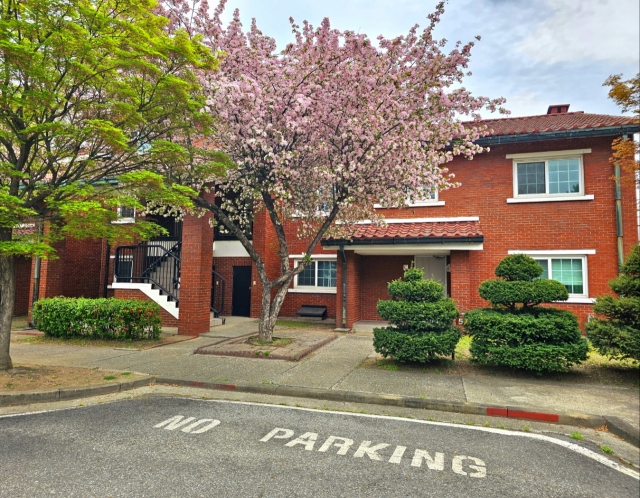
(335, 367)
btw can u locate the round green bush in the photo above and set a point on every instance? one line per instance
(516, 332)
(421, 320)
(518, 267)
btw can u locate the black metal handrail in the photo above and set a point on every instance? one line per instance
(217, 296)
(151, 262)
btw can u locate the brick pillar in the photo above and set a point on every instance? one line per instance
(354, 308)
(195, 274)
(461, 280)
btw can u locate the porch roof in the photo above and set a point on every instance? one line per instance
(417, 231)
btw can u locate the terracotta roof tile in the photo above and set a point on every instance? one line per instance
(453, 229)
(555, 122)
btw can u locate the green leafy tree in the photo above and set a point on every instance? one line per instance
(421, 320)
(517, 332)
(86, 87)
(617, 334)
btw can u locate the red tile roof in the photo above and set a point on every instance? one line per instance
(555, 122)
(422, 229)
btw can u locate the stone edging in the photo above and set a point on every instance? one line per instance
(615, 425)
(272, 356)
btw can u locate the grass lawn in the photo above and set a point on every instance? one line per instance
(597, 369)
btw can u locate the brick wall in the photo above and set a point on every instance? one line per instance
(23, 285)
(376, 273)
(167, 319)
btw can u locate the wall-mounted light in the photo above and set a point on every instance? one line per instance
(405, 267)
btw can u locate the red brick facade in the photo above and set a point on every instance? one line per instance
(23, 284)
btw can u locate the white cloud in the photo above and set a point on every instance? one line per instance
(587, 29)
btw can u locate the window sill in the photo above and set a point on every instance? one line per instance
(416, 204)
(517, 200)
(124, 220)
(578, 300)
(312, 290)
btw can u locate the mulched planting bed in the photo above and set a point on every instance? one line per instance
(44, 377)
(289, 345)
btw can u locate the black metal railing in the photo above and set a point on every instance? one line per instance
(155, 262)
(217, 293)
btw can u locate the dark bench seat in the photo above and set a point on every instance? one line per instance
(313, 311)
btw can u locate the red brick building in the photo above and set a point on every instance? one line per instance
(543, 189)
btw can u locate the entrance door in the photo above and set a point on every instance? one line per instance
(241, 295)
(435, 267)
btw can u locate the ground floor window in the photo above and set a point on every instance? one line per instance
(568, 271)
(569, 267)
(318, 276)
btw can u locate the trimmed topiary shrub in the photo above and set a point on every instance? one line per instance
(617, 335)
(421, 320)
(127, 319)
(516, 332)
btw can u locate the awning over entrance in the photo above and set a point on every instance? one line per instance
(413, 236)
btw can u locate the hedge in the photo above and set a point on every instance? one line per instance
(127, 319)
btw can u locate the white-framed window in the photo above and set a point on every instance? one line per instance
(318, 277)
(567, 267)
(428, 197)
(551, 176)
(126, 215)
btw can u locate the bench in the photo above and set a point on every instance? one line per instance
(313, 311)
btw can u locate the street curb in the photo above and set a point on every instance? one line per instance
(615, 425)
(68, 393)
(623, 430)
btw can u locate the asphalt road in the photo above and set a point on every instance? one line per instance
(157, 447)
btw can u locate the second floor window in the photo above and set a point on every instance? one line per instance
(551, 177)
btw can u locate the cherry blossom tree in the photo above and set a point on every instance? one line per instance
(324, 129)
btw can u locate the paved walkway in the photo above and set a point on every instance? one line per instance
(336, 367)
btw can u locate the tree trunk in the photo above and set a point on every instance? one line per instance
(270, 310)
(7, 299)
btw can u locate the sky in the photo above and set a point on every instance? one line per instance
(533, 52)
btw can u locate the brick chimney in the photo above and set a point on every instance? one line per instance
(558, 109)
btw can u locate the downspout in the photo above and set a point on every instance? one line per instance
(344, 287)
(36, 272)
(618, 196)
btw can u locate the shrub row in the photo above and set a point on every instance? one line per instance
(127, 319)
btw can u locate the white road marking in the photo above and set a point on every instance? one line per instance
(286, 434)
(540, 437)
(308, 439)
(397, 454)
(331, 441)
(529, 435)
(177, 422)
(479, 467)
(371, 451)
(436, 463)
